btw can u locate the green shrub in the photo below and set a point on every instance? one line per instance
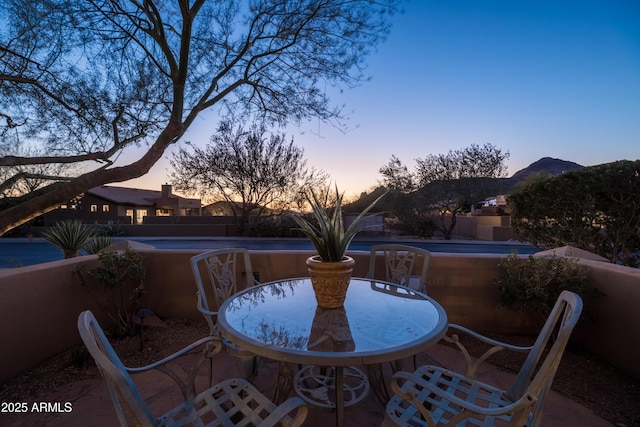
(534, 284)
(414, 224)
(594, 208)
(273, 226)
(121, 276)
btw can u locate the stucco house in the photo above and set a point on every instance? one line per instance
(124, 205)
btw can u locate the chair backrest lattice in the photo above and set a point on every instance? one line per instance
(128, 401)
(223, 273)
(539, 369)
(400, 262)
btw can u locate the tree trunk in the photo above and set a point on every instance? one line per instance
(452, 225)
(447, 230)
(61, 192)
(69, 253)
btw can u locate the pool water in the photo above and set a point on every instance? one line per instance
(17, 252)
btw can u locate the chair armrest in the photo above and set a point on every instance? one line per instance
(212, 344)
(489, 340)
(496, 346)
(217, 346)
(208, 315)
(206, 312)
(201, 307)
(411, 394)
(283, 411)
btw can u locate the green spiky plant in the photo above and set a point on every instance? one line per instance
(68, 235)
(328, 236)
(97, 243)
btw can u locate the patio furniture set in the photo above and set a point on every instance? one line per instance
(323, 354)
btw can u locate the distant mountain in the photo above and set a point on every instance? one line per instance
(547, 165)
(491, 186)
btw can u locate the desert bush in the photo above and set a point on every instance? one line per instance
(120, 280)
(418, 225)
(533, 284)
(273, 226)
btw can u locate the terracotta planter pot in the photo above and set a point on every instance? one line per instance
(330, 280)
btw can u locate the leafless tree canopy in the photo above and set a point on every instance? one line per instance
(473, 161)
(84, 80)
(249, 169)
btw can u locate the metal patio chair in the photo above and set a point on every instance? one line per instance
(400, 267)
(219, 275)
(400, 262)
(433, 395)
(231, 402)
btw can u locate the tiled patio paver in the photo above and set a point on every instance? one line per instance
(92, 406)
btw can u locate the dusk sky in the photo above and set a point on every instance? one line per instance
(556, 78)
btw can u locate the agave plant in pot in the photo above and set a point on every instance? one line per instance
(330, 270)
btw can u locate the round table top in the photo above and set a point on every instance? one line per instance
(379, 322)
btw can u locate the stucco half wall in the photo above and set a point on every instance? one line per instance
(39, 304)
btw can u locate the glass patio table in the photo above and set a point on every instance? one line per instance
(379, 322)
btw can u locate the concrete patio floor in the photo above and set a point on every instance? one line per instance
(91, 405)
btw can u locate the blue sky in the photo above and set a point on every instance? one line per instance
(534, 78)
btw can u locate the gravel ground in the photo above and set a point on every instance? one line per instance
(581, 377)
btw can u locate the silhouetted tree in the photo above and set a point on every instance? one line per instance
(86, 80)
(248, 169)
(396, 176)
(449, 183)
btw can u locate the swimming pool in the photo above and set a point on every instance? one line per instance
(17, 252)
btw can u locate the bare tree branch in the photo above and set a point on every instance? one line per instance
(248, 169)
(28, 175)
(86, 80)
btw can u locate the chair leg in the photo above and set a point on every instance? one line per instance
(211, 372)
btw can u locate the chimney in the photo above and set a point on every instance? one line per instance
(166, 191)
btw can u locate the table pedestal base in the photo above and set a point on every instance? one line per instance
(332, 388)
(317, 386)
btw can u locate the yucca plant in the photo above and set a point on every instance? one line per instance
(329, 237)
(97, 243)
(68, 235)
